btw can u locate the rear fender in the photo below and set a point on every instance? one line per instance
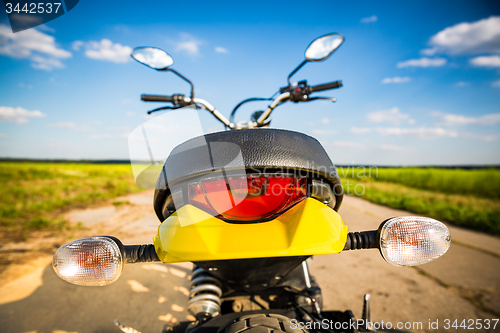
(308, 228)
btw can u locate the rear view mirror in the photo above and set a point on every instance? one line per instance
(152, 57)
(158, 59)
(323, 47)
(320, 49)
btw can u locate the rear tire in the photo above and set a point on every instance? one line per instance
(261, 323)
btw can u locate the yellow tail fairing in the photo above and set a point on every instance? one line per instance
(308, 228)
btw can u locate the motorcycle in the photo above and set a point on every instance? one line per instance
(248, 206)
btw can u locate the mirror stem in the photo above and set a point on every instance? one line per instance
(296, 70)
(184, 78)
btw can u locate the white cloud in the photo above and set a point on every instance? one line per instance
(448, 119)
(426, 133)
(486, 138)
(486, 61)
(2, 136)
(188, 44)
(420, 132)
(36, 45)
(496, 84)
(462, 84)
(392, 115)
(429, 52)
(423, 62)
(28, 86)
(44, 27)
(18, 115)
(481, 36)
(108, 136)
(220, 49)
(396, 79)
(105, 50)
(370, 19)
(72, 126)
(361, 130)
(22, 44)
(325, 121)
(77, 45)
(54, 144)
(349, 144)
(130, 114)
(430, 132)
(323, 132)
(118, 128)
(47, 64)
(63, 124)
(391, 148)
(102, 136)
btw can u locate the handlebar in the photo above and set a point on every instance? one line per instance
(298, 93)
(326, 86)
(181, 101)
(157, 98)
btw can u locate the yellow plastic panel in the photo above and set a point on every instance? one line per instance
(308, 228)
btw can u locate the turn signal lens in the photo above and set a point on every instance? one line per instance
(93, 261)
(412, 240)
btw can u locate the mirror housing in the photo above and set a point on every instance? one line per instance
(152, 57)
(323, 47)
(319, 49)
(158, 59)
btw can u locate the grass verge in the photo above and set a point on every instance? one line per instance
(484, 183)
(34, 194)
(462, 210)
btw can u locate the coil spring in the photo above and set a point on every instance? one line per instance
(204, 295)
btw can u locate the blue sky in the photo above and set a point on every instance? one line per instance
(421, 79)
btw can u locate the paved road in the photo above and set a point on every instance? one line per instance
(463, 284)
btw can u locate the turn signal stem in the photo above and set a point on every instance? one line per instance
(140, 253)
(362, 240)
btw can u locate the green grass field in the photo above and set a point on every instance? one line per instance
(468, 198)
(34, 194)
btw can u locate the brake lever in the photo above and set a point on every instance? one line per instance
(333, 99)
(164, 108)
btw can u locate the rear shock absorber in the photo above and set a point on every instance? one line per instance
(204, 296)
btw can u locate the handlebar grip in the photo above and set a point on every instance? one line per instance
(327, 86)
(157, 98)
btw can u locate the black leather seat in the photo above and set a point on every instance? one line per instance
(258, 149)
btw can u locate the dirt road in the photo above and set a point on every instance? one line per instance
(464, 284)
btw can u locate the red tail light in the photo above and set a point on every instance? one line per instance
(248, 198)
